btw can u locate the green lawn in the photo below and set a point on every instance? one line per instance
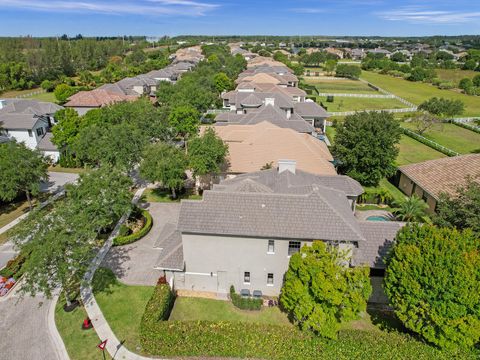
(384, 184)
(46, 96)
(340, 86)
(122, 306)
(413, 151)
(161, 195)
(417, 93)
(454, 137)
(9, 212)
(58, 168)
(455, 75)
(188, 309)
(331, 132)
(341, 104)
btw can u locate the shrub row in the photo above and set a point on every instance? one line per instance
(466, 126)
(376, 196)
(14, 267)
(245, 303)
(424, 141)
(124, 240)
(159, 306)
(204, 339)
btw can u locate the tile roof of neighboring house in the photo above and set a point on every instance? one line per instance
(281, 100)
(20, 121)
(263, 78)
(262, 61)
(269, 113)
(310, 109)
(97, 98)
(271, 88)
(26, 106)
(46, 144)
(251, 100)
(380, 236)
(253, 146)
(322, 214)
(170, 241)
(444, 175)
(286, 182)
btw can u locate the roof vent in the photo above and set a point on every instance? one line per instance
(289, 165)
(270, 101)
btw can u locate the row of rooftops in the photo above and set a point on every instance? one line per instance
(130, 88)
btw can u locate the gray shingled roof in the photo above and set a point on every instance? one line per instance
(379, 236)
(323, 214)
(27, 106)
(310, 109)
(170, 241)
(18, 121)
(46, 144)
(251, 101)
(299, 183)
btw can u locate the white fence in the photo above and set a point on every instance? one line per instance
(30, 94)
(217, 111)
(345, 113)
(371, 96)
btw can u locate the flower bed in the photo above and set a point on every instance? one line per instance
(138, 232)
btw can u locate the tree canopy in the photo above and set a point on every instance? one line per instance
(365, 146)
(443, 107)
(320, 292)
(21, 170)
(432, 281)
(207, 153)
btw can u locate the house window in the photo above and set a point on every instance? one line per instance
(30, 133)
(40, 131)
(269, 279)
(293, 247)
(246, 277)
(271, 247)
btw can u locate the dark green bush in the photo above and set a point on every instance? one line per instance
(245, 303)
(14, 267)
(124, 240)
(158, 307)
(376, 196)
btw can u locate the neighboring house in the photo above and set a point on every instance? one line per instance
(296, 94)
(263, 61)
(269, 78)
(84, 101)
(429, 179)
(244, 231)
(251, 147)
(337, 52)
(28, 122)
(380, 51)
(357, 54)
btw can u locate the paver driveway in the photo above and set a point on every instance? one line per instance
(133, 264)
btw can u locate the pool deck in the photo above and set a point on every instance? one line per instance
(363, 215)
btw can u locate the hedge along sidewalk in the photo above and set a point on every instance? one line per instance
(114, 347)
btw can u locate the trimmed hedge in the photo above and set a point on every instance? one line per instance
(158, 307)
(466, 126)
(245, 303)
(124, 240)
(204, 339)
(433, 145)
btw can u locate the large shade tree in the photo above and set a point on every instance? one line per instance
(21, 171)
(432, 281)
(321, 292)
(365, 146)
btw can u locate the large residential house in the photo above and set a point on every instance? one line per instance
(244, 231)
(429, 179)
(28, 122)
(85, 101)
(253, 147)
(263, 61)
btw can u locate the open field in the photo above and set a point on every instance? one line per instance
(49, 97)
(186, 309)
(454, 137)
(413, 151)
(455, 75)
(340, 86)
(46, 96)
(417, 93)
(340, 104)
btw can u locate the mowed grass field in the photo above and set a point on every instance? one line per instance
(454, 137)
(413, 151)
(417, 93)
(345, 86)
(455, 75)
(340, 104)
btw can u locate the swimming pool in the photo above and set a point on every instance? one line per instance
(377, 218)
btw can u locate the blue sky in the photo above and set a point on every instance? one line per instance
(248, 17)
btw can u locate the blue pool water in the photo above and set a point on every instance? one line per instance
(377, 218)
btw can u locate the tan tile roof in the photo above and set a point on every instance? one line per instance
(253, 146)
(97, 98)
(444, 175)
(261, 78)
(261, 60)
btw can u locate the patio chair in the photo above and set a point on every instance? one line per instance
(245, 293)
(257, 294)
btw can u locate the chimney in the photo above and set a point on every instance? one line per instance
(289, 165)
(270, 101)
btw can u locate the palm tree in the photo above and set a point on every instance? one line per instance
(412, 209)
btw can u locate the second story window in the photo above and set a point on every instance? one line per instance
(40, 131)
(293, 247)
(271, 247)
(30, 133)
(246, 277)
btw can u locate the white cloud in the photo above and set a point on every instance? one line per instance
(416, 14)
(308, 10)
(145, 7)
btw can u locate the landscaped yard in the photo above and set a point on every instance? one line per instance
(344, 86)
(341, 104)
(161, 195)
(417, 92)
(191, 309)
(413, 151)
(454, 137)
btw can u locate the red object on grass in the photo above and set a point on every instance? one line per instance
(102, 345)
